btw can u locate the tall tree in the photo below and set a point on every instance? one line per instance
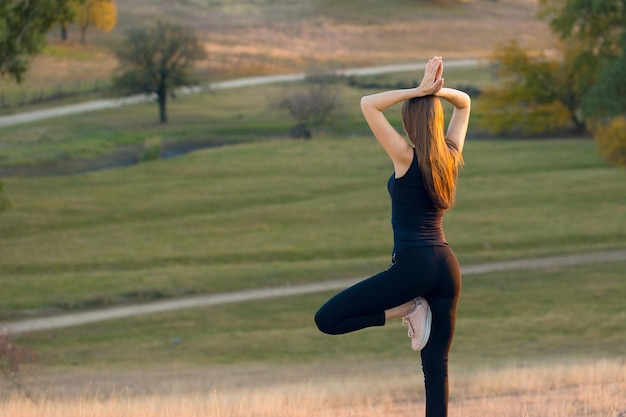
(23, 26)
(99, 13)
(157, 60)
(538, 94)
(587, 80)
(69, 17)
(598, 24)
(606, 98)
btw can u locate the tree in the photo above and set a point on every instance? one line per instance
(99, 13)
(598, 24)
(586, 81)
(606, 97)
(156, 60)
(69, 16)
(23, 26)
(600, 27)
(309, 108)
(538, 94)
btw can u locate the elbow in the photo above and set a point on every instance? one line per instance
(364, 102)
(369, 105)
(466, 100)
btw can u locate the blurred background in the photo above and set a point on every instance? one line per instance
(160, 151)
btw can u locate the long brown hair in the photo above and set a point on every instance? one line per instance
(438, 158)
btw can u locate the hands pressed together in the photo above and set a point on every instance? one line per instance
(433, 77)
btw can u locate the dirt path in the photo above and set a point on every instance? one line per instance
(76, 319)
(60, 111)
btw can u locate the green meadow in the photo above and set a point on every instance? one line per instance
(519, 317)
(284, 211)
(70, 144)
(262, 210)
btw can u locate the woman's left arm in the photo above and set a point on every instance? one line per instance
(457, 127)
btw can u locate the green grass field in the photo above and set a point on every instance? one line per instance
(516, 317)
(285, 211)
(263, 214)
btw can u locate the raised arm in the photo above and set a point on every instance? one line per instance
(457, 128)
(373, 106)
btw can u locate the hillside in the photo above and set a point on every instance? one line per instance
(264, 36)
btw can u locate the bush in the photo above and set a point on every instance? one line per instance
(151, 149)
(309, 108)
(611, 141)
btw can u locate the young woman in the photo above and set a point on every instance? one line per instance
(423, 282)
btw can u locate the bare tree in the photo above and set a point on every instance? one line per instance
(310, 108)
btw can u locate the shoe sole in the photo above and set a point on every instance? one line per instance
(429, 319)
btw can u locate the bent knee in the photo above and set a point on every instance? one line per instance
(325, 323)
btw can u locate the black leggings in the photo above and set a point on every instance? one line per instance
(430, 271)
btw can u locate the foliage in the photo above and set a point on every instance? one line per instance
(585, 81)
(23, 26)
(69, 16)
(310, 108)
(537, 94)
(156, 60)
(99, 13)
(606, 98)
(605, 103)
(598, 24)
(611, 141)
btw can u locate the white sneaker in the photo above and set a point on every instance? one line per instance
(419, 321)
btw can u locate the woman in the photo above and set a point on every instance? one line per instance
(423, 282)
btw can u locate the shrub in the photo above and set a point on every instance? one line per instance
(151, 149)
(611, 141)
(310, 108)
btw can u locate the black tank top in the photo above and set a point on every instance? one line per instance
(415, 219)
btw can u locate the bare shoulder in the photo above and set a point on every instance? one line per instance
(402, 161)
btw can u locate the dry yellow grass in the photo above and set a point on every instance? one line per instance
(469, 31)
(390, 389)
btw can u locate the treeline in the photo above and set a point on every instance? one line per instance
(582, 90)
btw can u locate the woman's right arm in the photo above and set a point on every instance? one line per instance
(457, 128)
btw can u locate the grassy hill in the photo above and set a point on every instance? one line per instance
(272, 211)
(264, 36)
(265, 214)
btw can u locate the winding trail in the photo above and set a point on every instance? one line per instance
(77, 319)
(68, 110)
